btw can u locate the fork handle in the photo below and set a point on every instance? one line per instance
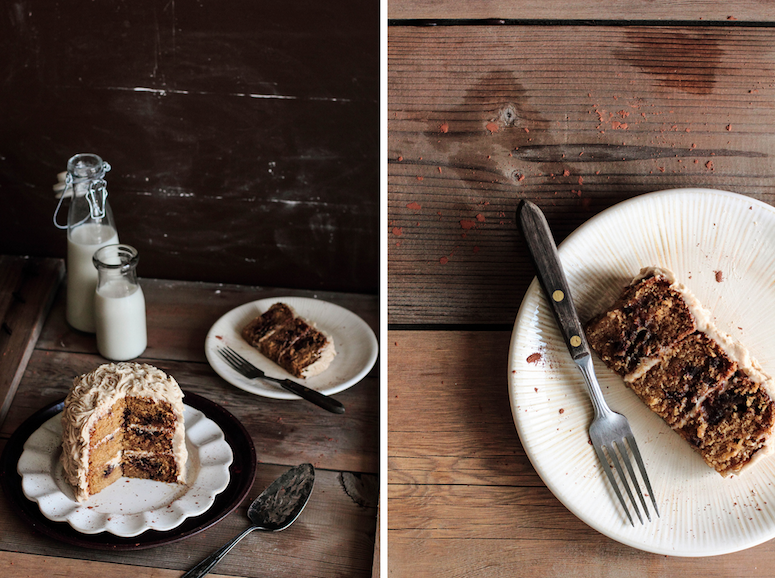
(327, 403)
(551, 276)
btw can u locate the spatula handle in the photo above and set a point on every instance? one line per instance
(550, 274)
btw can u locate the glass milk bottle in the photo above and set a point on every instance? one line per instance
(119, 304)
(90, 226)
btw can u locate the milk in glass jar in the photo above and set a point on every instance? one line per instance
(119, 304)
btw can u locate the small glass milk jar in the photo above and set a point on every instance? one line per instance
(89, 226)
(119, 304)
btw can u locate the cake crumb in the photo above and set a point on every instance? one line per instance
(534, 357)
(719, 276)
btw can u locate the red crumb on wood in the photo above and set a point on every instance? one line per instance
(444, 127)
(492, 127)
(444, 260)
(414, 205)
(398, 231)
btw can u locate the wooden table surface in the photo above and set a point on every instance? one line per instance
(336, 533)
(575, 106)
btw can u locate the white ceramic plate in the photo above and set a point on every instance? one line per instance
(696, 233)
(128, 507)
(355, 343)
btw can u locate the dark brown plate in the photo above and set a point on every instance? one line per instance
(242, 473)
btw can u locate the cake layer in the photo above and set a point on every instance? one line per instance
(704, 384)
(150, 466)
(149, 439)
(678, 382)
(732, 424)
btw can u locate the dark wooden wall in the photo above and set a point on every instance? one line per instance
(243, 134)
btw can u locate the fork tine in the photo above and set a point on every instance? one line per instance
(235, 354)
(628, 463)
(615, 458)
(228, 355)
(624, 457)
(642, 468)
(607, 468)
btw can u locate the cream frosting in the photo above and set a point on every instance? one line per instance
(735, 350)
(93, 395)
(326, 356)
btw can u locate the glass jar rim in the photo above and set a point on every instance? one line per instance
(87, 166)
(127, 255)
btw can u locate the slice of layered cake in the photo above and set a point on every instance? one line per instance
(705, 385)
(122, 419)
(290, 341)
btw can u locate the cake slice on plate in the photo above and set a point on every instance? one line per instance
(290, 341)
(704, 384)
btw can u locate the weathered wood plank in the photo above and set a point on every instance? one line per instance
(17, 565)
(574, 118)
(334, 536)
(596, 10)
(457, 382)
(27, 289)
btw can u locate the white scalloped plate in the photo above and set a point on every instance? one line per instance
(355, 343)
(694, 232)
(128, 507)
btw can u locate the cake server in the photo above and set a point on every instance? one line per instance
(275, 509)
(609, 432)
(243, 366)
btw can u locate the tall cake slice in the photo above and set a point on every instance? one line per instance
(122, 419)
(290, 341)
(703, 383)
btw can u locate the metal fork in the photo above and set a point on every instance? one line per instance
(609, 432)
(250, 371)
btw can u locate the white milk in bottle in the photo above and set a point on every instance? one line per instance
(82, 243)
(89, 226)
(119, 304)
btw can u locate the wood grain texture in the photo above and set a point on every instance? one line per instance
(27, 289)
(464, 499)
(574, 118)
(595, 10)
(242, 135)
